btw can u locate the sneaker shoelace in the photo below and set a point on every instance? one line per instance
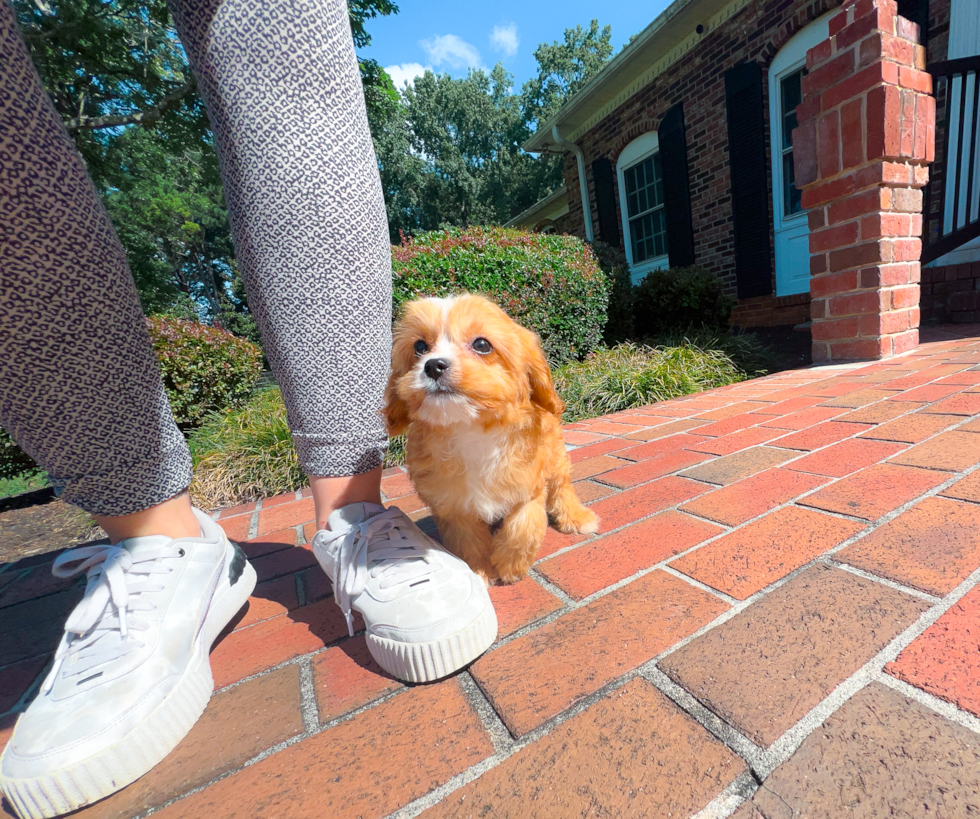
(99, 629)
(373, 548)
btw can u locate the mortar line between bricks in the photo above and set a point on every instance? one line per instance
(730, 799)
(307, 695)
(500, 737)
(734, 740)
(731, 601)
(945, 709)
(931, 599)
(784, 747)
(253, 524)
(568, 602)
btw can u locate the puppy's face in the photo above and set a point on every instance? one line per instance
(462, 360)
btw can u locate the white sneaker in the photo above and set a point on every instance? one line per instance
(427, 614)
(131, 675)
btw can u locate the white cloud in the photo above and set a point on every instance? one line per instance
(451, 50)
(505, 38)
(405, 74)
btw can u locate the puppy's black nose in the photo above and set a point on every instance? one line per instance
(435, 367)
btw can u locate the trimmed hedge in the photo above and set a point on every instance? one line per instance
(619, 325)
(13, 460)
(679, 299)
(550, 284)
(204, 369)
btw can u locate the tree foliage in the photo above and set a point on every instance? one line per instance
(564, 68)
(448, 149)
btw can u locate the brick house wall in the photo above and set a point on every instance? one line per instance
(755, 33)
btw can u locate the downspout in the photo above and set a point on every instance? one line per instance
(583, 183)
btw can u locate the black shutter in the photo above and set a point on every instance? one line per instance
(750, 187)
(677, 188)
(918, 12)
(605, 201)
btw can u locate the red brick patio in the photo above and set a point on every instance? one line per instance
(780, 617)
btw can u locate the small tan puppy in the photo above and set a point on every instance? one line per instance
(485, 450)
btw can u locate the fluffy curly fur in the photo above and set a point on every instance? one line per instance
(485, 451)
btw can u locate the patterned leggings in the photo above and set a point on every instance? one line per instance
(80, 389)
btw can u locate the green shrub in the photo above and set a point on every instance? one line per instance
(633, 375)
(13, 460)
(204, 369)
(678, 299)
(550, 284)
(619, 322)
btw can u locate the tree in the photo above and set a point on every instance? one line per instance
(564, 68)
(450, 153)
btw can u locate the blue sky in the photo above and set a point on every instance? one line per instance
(453, 36)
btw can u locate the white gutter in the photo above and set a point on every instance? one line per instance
(583, 184)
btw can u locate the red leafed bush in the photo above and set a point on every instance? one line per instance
(204, 369)
(550, 284)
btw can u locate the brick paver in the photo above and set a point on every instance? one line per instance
(881, 754)
(365, 767)
(634, 753)
(764, 669)
(612, 558)
(933, 546)
(843, 458)
(766, 550)
(265, 711)
(748, 498)
(945, 659)
(563, 716)
(912, 428)
(538, 676)
(875, 491)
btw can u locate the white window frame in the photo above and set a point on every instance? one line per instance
(639, 149)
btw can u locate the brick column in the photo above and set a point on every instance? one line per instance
(866, 135)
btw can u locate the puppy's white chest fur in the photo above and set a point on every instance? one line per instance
(479, 457)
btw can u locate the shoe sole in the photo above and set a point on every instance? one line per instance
(149, 742)
(426, 662)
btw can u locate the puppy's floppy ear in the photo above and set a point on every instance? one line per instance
(539, 375)
(395, 410)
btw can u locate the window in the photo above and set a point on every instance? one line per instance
(645, 206)
(641, 191)
(791, 95)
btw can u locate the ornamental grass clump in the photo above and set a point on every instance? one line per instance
(633, 375)
(245, 454)
(205, 369)
(550, 284)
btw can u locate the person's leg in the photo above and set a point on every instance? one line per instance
(81, 392)
(80, 389)
(286, 105)
(284, 95)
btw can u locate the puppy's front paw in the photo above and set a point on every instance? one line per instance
(589, 524)
(582, 521)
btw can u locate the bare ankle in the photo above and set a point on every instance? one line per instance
(330, 494)
(173, 518)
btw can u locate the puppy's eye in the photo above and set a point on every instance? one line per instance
(421, 347)
(482, 346)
